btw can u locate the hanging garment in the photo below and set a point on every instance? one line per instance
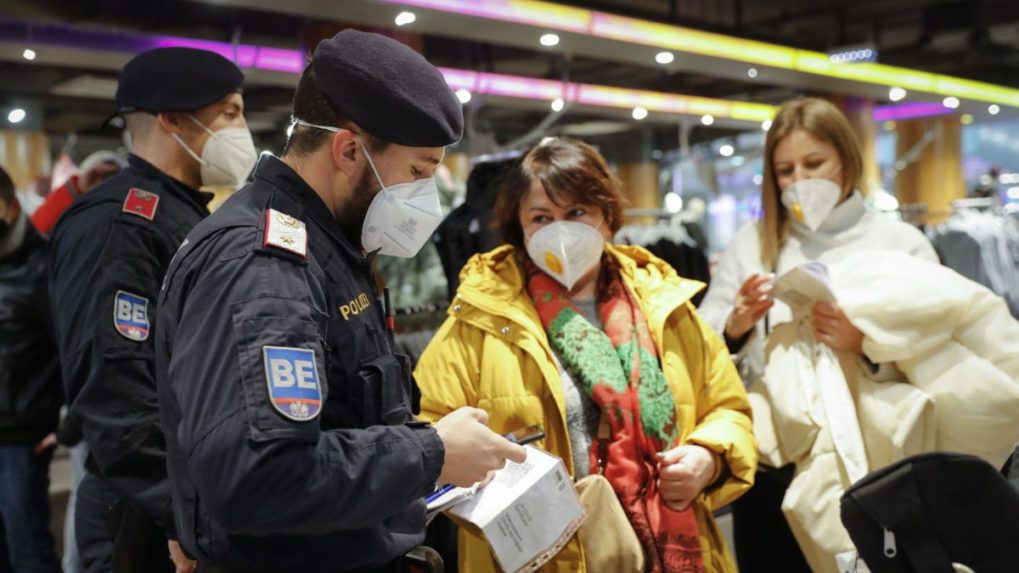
(983, 247)
(468, 230)
(674, 244)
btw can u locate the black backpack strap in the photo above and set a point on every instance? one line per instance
(894, 502)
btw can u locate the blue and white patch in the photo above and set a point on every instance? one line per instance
(292, 378)
(131, 316)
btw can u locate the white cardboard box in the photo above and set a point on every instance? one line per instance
(527, 513)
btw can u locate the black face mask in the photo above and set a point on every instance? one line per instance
(5, 228)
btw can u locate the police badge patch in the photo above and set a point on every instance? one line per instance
(285, 232)
(291, 376)
(131, 316)
(141, 203)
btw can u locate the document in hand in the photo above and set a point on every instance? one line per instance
(804, 285)
(527, 513)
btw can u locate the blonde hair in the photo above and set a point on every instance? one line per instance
(824, 121)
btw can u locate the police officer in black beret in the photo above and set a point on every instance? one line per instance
(291, 440)
(109, 252)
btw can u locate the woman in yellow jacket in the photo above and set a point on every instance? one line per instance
(600, 345)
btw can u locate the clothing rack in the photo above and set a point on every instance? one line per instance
(659, 213)
(976, 203)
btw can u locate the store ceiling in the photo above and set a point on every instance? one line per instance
(974, 40)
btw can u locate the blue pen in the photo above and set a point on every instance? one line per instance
(439, 493)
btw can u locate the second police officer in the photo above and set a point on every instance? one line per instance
(109, 253)
(288, 416)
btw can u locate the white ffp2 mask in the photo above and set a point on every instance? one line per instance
(566, 250)
(810, 201)
(401, 217)
(228, 156)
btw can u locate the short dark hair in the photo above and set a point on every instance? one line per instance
(570, 171)
(311, 105)
(6, 187)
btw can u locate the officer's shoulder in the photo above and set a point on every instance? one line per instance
(93, 211)
(236, 230)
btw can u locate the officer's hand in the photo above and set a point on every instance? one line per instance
(181, 562)
(50, 441)
(472, 449)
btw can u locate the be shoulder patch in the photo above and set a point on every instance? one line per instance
(285, 232)
(141, 203)
(292, 378)
(131, 316)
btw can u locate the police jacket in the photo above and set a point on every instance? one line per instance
(108, 254)
(30, 392)
(291, 442)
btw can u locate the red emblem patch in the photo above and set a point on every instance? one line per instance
(141, 203)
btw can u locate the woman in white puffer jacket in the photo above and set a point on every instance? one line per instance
(812, 211)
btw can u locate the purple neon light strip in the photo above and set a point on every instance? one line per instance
(292, 61)
(909, 111)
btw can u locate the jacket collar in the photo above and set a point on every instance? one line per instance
(281, 176)
(494, 283)
(150, 171)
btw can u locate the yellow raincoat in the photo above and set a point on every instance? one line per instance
(492, 353)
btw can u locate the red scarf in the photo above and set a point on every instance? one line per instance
(619, 369)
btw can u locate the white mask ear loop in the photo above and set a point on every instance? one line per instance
(370, 162)
(188, 149)
(334, 129)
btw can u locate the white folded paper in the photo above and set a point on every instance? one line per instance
(803, 286)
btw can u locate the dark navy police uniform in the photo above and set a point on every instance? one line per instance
(108, 255)
(107, 258)
(290, 433)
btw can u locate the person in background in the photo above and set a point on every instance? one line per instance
(30, 391)
(94, 169)
(599, 344)
(813, 210)
(109, 252)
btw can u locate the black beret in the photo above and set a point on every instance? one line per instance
(176, 79)
(387, 89)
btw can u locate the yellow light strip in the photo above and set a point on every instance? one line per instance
(547, 15)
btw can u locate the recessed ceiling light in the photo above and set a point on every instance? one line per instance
(664, 57)
(951, 102)
(463, 95)
(28, 54)
(549, 40)
(558, 104)
(896, 94)
(404, 18)
(16, 115)
(707, 119)
(639, 113)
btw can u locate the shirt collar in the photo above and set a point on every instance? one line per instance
(150, 171)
